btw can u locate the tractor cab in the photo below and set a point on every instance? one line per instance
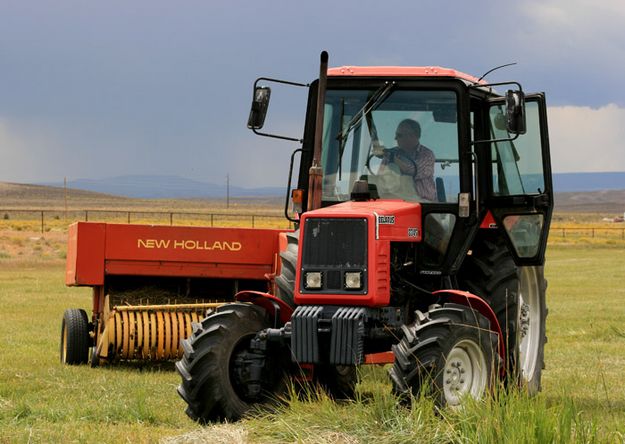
(478, 159)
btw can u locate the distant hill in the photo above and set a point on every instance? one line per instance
(14, 195)
(165, 187)
(176, 187)
(568, 182)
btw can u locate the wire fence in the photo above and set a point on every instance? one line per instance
(44, 220)
(588, 232)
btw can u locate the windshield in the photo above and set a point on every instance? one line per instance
(407, 145)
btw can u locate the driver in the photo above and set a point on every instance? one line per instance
(411, 158)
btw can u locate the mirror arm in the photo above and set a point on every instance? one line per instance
(283, 82)
(490, 85)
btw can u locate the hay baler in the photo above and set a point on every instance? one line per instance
(150, 283)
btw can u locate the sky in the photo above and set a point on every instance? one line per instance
(93, 89)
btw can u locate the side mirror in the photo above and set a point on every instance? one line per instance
(515, 112)
(260, 103)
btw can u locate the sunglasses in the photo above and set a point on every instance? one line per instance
(403, 135)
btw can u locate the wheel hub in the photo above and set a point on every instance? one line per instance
(454, 376)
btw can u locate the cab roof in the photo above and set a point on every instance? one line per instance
(400, 71)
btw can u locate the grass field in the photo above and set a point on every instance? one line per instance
(583, 396)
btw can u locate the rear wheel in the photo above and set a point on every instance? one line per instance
(517, 296)
(223, 375)
(75, 340)
(285, 282)
(449, 351)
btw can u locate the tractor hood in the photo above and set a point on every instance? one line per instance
(394, 220)
(345, 251)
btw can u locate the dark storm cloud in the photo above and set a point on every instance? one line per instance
(94, 89)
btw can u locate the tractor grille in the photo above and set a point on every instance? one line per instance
(335, 243)
(334, 246)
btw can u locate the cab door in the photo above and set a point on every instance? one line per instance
(520, 194)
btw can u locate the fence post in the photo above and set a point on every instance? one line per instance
(86, 215)
(252, 221)
(42, 222)
(129, 217)
(171, 219)
(211, 219)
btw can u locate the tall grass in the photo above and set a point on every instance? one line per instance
(583, 398)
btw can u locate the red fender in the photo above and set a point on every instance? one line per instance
(268, 302)
(478, 304)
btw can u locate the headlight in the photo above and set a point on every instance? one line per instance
(313, 280)
(353, 280)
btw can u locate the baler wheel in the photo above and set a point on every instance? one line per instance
(75, 340)
(450, 351)
(518, 298)
(222, 375)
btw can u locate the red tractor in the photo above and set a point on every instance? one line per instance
(428, 255)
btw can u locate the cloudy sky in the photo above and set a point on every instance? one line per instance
(94, 89)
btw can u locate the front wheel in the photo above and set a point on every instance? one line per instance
(449, 351)
(223, 375)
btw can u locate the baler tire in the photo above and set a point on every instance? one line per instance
(207, 368)
(75, 339)
(285, 282)
(490, 273)
(438, 349)
(339, 381)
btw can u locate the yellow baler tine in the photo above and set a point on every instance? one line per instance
(130, 353)
(118, 334)
(168, 335)
(146, 335)
(181, 331)
(160, 331)
(139, 341)
(153, 336)
(125, 335)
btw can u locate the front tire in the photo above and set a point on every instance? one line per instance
(451, 351)
(339, 381)
(217, 369)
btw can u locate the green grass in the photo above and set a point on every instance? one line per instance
(583, 398)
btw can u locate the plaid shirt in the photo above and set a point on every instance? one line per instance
(423, 174)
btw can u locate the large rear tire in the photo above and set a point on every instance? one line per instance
(449, 351)
(285, 282)
(75, 340)
(517, 296)
(222, 377)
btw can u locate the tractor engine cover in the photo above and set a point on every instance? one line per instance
(345, 251)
